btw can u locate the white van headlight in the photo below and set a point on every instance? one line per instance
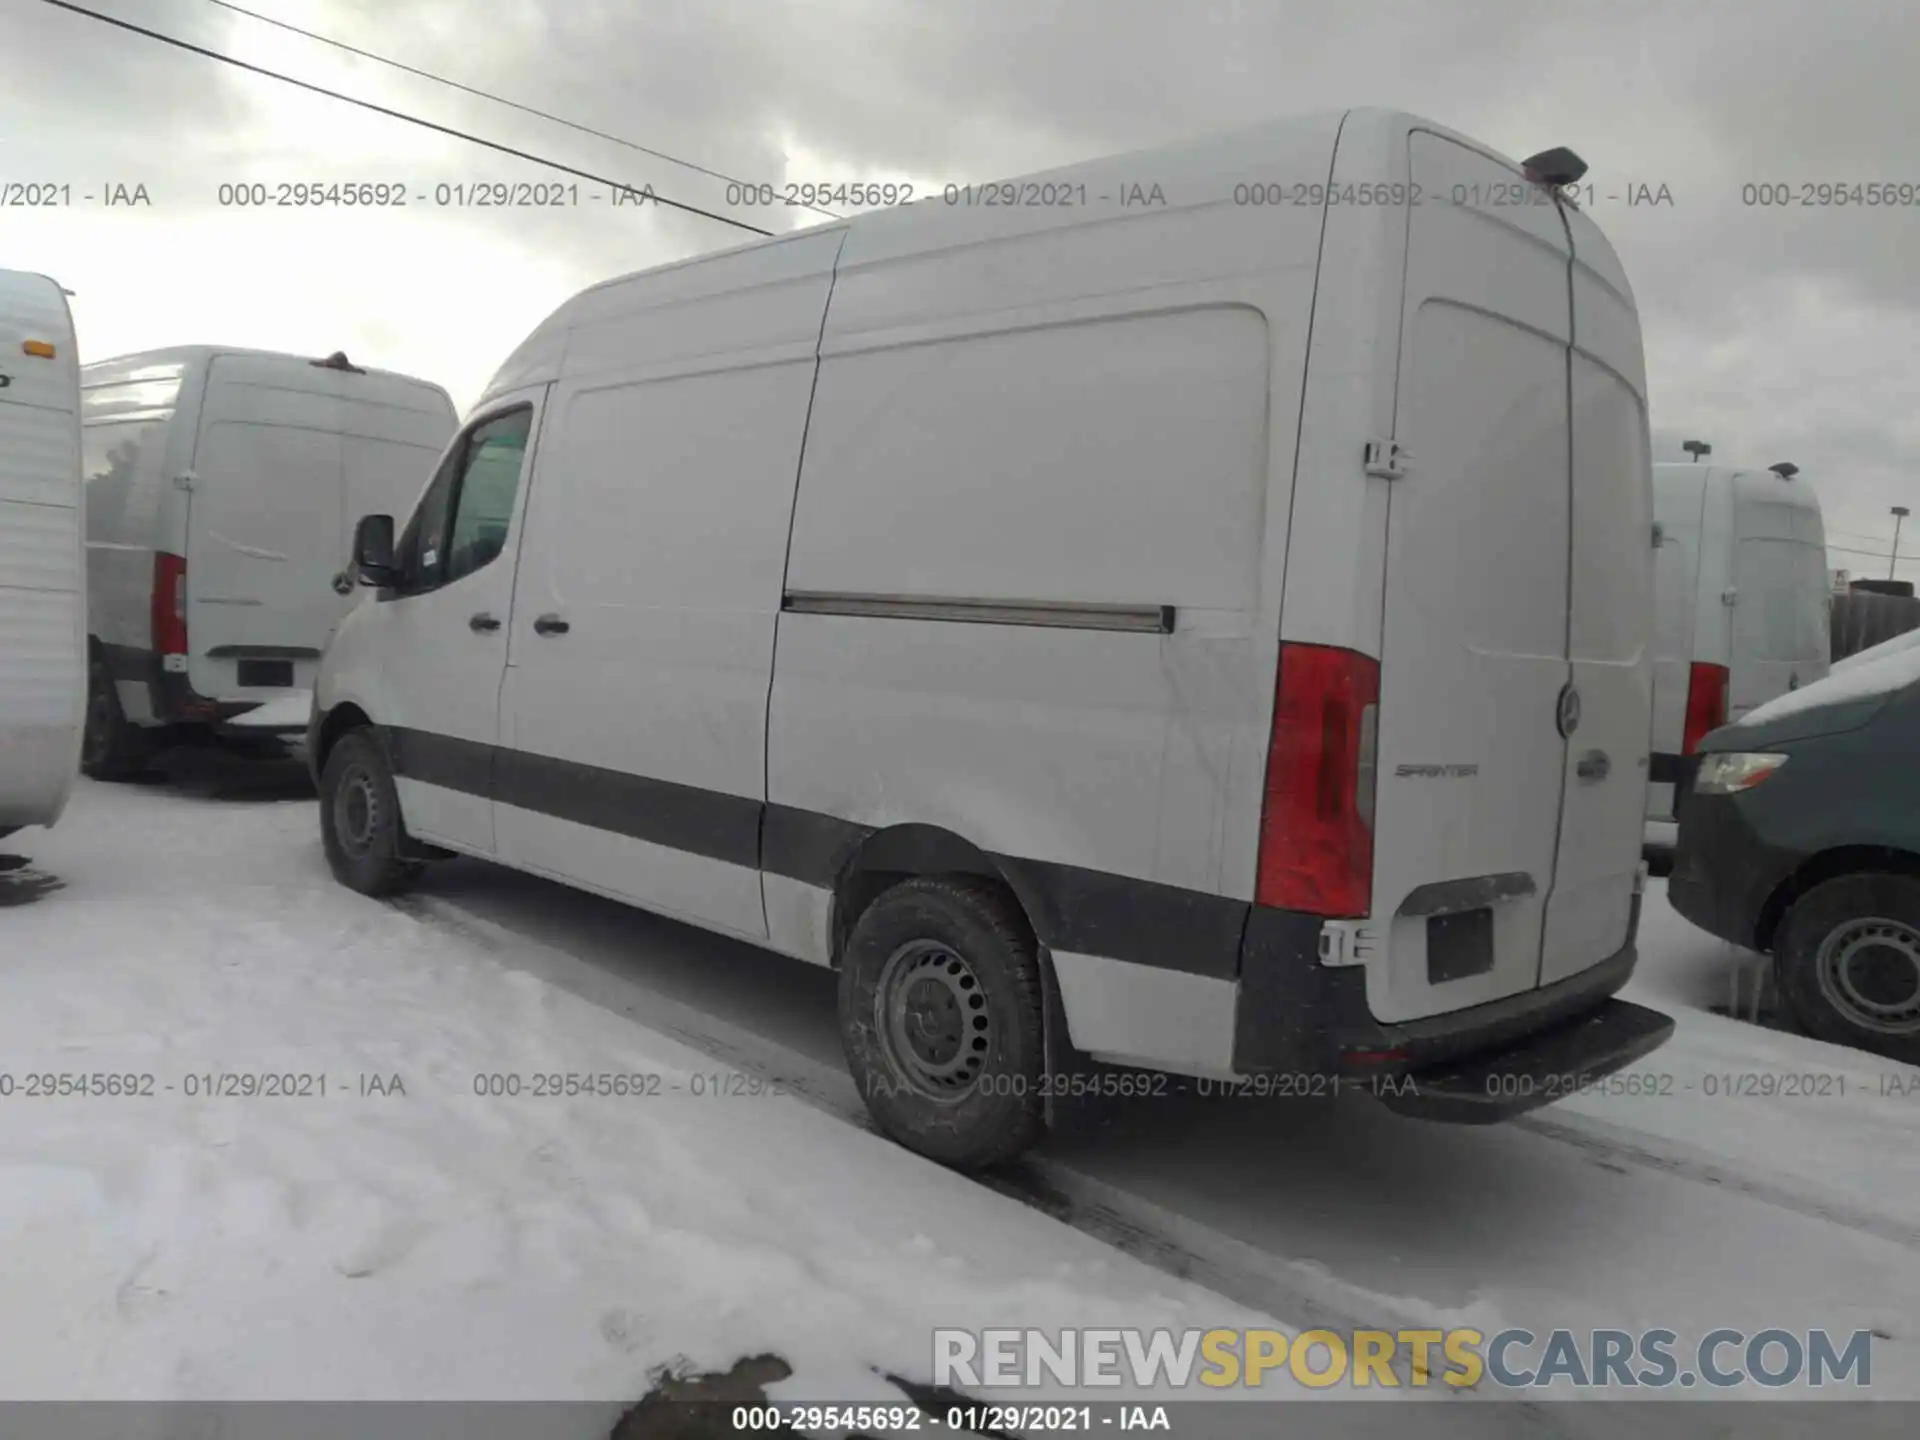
(1726, 772)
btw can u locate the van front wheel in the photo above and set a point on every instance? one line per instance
(1848, 963)
(360, 820)
(940, 1013)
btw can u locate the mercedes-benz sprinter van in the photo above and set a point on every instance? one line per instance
(1741, 593)
(1199, 620)
(222, 486)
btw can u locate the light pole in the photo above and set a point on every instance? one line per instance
(1696, 448)
(1900, 512)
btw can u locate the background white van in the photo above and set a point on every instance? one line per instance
(43, 598)
(1087, 624)
(221, 489)
(1741, 592)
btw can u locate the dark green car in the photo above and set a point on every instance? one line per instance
(1800, 838)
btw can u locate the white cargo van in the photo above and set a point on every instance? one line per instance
(222, 486)
(1181, 622)
(1740, 601)
(43, 635)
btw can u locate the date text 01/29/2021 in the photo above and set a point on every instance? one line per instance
(1158, 1085)
(974, 1418)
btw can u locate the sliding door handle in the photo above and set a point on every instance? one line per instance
(550, 625)
(483, 623)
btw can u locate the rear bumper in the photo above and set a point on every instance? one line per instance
(173, 701)
(287, 717)
(1541, 1069)
(1295, 1014)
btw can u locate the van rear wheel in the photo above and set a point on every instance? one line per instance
(940, 1014)
(113, 748)
(360, 825)
(1848, 963)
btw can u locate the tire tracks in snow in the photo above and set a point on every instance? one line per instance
(1300, 1294)
(1604, 1141)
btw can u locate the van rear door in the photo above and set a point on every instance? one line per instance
(1474, 646)
(263, 523)
(1515, 679)
(1610, 619)
(1781, 637)
(290, 455)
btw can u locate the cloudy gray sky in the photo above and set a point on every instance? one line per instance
(1774, 333)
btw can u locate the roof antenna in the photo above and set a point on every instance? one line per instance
(1786, 469)
(1696, 448)
(338, 361)
(1556, 167)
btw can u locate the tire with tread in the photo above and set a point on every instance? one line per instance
(366, 853)
(1002, 1112)
(1813, 918)
(114, 747)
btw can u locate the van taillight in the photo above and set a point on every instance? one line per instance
(169, 604)
(1316, 828)
(1706, 704)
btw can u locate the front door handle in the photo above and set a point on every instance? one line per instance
(1594, 765)
(483, 623)
(550, 625)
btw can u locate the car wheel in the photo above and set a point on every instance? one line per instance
(113, 748)
(360, 824)
(940, 1013)
(1848, 963)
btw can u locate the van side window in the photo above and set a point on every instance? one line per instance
(489, 481)
(421, 551)
(461, 522)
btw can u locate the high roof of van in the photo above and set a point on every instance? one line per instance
(1750, 483)
(28, 282)
(1199, 171)
(189, 357)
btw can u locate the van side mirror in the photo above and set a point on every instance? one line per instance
(373, 550)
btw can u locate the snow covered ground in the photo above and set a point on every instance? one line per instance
(442, 1244)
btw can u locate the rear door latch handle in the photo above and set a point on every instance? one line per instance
(550, 625)
(1594, 765)
(483, 622)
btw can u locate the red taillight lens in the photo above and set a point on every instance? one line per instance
(1706, 704)
(1316, 830)
(169, 604)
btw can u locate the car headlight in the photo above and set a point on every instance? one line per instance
(1728, 772)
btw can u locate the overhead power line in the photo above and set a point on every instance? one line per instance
(657, 198)
(496, 99)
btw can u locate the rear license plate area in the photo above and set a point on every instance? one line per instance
(1459, 945)
(264, 673)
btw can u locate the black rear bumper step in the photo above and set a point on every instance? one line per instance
(1545, 1067)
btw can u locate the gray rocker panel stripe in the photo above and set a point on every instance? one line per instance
(1081, 911)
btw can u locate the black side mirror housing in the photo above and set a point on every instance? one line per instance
(373, 550)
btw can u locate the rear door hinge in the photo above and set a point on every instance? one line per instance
(1729, 597)
(1345, 942)
(1659, 534)
(1384, 459)
(184, 480)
